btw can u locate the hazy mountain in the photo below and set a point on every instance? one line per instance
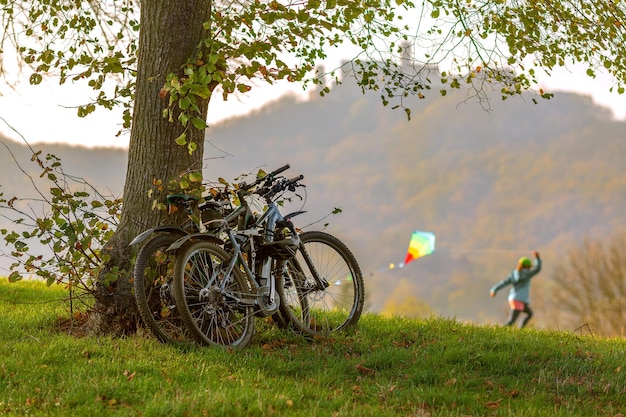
(492, 185)
(105, 167)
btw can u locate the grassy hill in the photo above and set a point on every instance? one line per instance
(492, 185)
(384, 367)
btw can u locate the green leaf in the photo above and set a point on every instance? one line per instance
(183, 118)
(195, 176)
(50, 279)
(182, 139)
(191, 148)
(184, 103)
(201, 91)
(15, 276)
(198, 123)
(35, 79)
(243, 88)
(86, 110)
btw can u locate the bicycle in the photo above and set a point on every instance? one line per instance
(154, 266)
(218, 294)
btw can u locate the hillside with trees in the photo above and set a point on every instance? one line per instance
(491, 183)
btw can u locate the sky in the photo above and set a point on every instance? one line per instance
(47, 112)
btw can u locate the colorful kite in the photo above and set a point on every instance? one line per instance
(421, 244)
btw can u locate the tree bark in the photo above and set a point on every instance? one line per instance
(170, 33)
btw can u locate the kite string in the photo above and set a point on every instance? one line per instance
(401, 265)
(423, 243)
(451, 249)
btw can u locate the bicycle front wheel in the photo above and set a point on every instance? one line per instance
(322, 289)
(152, 281)
(209, 299)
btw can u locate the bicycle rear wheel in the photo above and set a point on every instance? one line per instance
(330, 303)
(208, 300)
(152, 281)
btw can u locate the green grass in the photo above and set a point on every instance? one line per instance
(386, 367)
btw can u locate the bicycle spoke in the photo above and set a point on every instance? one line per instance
(328, 297)
(205, 296)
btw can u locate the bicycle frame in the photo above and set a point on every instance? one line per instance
(263, 282)
(241, 210)
(262, 278)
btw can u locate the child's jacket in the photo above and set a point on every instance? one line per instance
(521, 283)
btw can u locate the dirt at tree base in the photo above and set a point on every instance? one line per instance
(76, 325)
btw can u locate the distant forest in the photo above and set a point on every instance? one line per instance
(492, 183)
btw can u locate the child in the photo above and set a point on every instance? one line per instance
(519, 294)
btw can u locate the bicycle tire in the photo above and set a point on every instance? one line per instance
(152, 282)
(314, 310)
(210, 313)
(282, 274)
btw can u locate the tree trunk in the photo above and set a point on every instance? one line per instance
(169, 35)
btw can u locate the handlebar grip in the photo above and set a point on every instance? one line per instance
(279, 170)
(263, 178)
(296, 179)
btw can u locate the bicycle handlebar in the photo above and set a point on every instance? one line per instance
(270, 191)
(269, 176)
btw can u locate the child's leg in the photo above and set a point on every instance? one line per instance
(529, 315)
(513, 314)
(516, 308)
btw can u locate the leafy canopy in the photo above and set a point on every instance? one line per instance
(400, 46)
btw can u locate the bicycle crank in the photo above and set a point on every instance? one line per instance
(266, 306)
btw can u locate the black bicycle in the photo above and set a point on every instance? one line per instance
(154, 266)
